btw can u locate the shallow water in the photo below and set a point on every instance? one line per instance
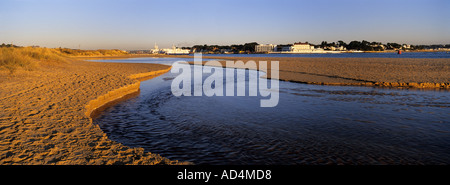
(312, 124)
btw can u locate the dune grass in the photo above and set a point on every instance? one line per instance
(28, 58)
(99, 52)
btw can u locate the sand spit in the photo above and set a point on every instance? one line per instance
(120, 93)
(45, 117)
(380, 72)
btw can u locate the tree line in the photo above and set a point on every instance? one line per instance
(367, 46)
(234, 48)
(353, 45)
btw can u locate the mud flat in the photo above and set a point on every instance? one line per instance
(381, 72)
(46, 113)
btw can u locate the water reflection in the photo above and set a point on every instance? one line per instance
(312, 124)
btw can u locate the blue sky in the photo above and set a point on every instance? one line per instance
(138, 24)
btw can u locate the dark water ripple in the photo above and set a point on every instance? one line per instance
(311, 125)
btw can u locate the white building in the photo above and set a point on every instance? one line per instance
(264, 48)
(300, 47)
(332, 48)
(175, 51)
(295, 48)
(155, 50)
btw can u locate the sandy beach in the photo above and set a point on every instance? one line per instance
(46, 113)
(382, 72)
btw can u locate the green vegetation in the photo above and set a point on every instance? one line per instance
(377, 46)
(235, 48)
(339, 45)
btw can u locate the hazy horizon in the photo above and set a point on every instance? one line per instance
(135, 24)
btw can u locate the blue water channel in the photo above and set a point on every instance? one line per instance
(312, 124)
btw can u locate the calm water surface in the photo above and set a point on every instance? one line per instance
(311, 125)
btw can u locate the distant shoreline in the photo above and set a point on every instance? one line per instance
(243, 54)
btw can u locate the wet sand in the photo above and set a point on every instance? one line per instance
(45, 117)
(382, 72)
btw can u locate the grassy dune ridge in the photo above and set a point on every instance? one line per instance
(99, 52)
(28, 58)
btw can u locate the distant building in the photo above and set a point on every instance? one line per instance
(283, 48)
(176, 51)
(173, 51)
(300, 47)
(303, 47)
(264, 48)
(333, 48)
(155, 50)
(226, 51)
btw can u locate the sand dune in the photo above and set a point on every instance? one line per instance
(43, 118)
